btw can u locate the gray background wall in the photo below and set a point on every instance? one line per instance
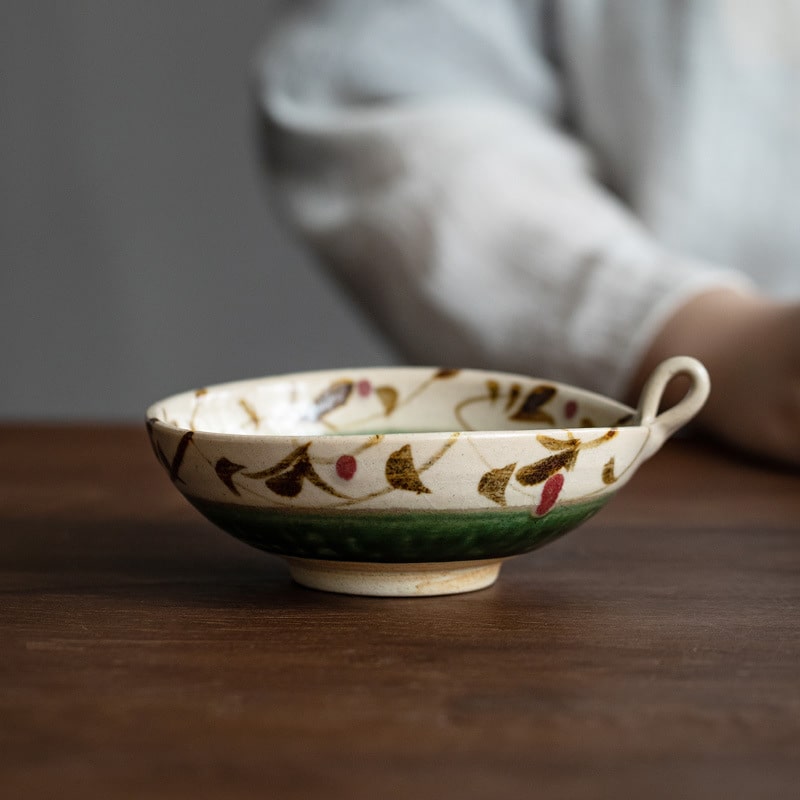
(139, 254)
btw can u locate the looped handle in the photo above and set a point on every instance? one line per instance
(663, 425)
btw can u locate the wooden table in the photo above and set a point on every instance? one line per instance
(653, 653)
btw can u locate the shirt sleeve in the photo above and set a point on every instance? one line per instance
(417, 147)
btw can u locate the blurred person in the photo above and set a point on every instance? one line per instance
(575, 190)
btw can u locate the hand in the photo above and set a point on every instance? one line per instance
(751, 348)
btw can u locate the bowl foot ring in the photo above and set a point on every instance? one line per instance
(394, 580)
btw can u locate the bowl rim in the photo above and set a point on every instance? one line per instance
(628, 416)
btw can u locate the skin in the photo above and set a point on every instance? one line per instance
(751, 348)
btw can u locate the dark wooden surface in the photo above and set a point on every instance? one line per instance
(653, 653)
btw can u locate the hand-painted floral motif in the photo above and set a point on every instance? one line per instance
(286, 477)
(333, 397)
(532, 409)
(565, 453)
(407, 466)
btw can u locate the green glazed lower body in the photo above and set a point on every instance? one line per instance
(398, 537)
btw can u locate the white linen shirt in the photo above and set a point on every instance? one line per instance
(537, 186)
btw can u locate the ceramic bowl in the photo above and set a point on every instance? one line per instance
(408, 481)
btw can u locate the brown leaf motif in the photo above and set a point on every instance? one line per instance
(531, 408)
(250, 411)
(540, 471)
(446, 373)
(556, 445)
(513, 394)
(226, 469)
(388, 397)
(172, 467)
(608, 472)
(333, 397)
(287, 476)
(159, 453)
(494, 482)
(401, 472)
(565, 453)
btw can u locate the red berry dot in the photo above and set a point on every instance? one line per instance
(570, 409)
(364, 388)
(346, 467)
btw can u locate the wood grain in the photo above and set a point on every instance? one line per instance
(653, 653)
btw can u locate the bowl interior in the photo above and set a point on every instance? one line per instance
(388, 400)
